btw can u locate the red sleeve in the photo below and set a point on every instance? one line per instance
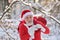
(23, 33)
(47, 31)
(43, 20)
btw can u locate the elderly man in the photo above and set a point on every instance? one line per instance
(30, 27)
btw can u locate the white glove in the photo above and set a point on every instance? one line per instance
(40, 26)
(32, 30)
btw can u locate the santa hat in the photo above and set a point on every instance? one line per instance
(26, 13)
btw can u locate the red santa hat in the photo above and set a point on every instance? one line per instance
(26, 13)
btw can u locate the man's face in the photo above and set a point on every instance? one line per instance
(29, 19)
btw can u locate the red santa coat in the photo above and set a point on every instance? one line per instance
(23, 31)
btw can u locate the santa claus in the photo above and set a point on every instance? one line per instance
(30, 28)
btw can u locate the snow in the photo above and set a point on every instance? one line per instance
(12, 30)
(11, 25)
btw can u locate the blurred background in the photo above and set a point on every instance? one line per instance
(11, 18)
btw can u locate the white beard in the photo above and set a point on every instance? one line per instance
(29, 24)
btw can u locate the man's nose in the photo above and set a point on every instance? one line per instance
(29, 18)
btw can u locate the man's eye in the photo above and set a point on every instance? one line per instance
(30, 17)
(27, 18)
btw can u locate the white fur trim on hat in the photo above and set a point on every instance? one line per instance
(28, 13)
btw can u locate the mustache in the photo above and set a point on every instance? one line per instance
(30, 21)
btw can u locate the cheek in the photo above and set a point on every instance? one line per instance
(26, 19)
(30, 18)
